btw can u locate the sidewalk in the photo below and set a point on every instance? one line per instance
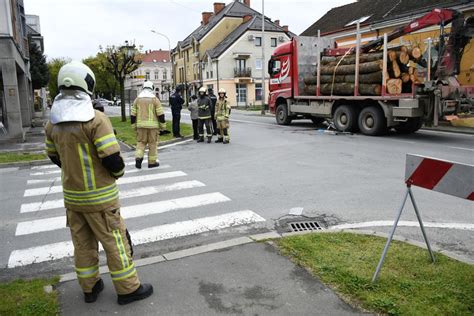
(250, 279)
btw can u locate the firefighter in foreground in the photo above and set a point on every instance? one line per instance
(146, 115)
(204, 112)
(82, 143)
(222, 117)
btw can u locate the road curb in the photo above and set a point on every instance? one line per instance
(175, 255)
(25, 163)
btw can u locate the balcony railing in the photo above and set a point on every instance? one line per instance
(243, 72)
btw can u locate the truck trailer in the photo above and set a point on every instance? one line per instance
(311, 78)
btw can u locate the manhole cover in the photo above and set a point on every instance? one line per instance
(304, 226)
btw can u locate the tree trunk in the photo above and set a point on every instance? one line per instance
(122, 97)
(405, 77)
(350, 59)
(415, 53)
(394, 86)
(374, 77)
(345, 89)
(364, 68)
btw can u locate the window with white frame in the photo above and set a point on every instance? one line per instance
(165, 74)
(157, 75)
(258, 63)
(258, 92)
(147, 75)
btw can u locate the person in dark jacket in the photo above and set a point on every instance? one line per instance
(204, 113)
(176, 102)
(213, 98)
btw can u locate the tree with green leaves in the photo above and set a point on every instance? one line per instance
(121, 61)
(54, 65)
(38, 67)
(106, 84)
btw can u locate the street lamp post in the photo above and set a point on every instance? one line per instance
(169, 51)
(263, 59)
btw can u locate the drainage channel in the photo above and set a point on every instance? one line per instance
(303, 226)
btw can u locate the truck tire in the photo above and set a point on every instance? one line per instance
(410, 126)
(281, 115)
(345, 118)
(372, 121)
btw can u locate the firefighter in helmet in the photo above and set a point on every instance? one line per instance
(146, 116)
(222, 117)
(81, 141)
(204, 116)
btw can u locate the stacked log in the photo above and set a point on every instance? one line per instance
(337, 74)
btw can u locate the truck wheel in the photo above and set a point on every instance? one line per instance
(345, 118)
(372, 121)
(281, 116)
(410, 126)
(317, 120)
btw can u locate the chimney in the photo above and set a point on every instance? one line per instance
(205, 17)
(247, 3)
(247, 18)
(277, 22)
(285, 28)
(218, 6)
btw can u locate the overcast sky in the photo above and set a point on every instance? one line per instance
(76, 28)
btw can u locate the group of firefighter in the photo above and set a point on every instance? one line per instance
(81, 141)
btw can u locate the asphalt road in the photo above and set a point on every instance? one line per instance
(266, 170)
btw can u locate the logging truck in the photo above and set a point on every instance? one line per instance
(373, 87)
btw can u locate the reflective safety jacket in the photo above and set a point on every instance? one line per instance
(87, 185)
(147, 111)
(222, 110)
(204, 107)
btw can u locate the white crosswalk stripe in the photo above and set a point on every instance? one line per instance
(188, 198)
(127, 172)
(64, 249)
(59, 222)
(126, 180)
(126, 194)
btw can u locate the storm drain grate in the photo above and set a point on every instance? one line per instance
(305, 226)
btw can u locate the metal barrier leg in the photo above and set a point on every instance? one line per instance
(412, 198)
(387, 245)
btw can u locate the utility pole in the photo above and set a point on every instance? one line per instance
(263, 58)
(170, 58)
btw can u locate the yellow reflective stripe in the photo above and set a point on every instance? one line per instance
(120, 173)
(92, 175)
(121, 248)
(150, 113)
(91, 202)
(87, 272)
(81, 158)
(98, 140)
(115, 193)
(123, 274)
(105, 146)
(90, 192)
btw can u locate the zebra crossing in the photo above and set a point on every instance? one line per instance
(144, 195)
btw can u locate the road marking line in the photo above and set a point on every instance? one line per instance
(44, 167)
(175, 144)
(127, 180)
(37, 181)
(22, 257)
(140, 210)
(462, 148)
(143, 191)
(461, 226)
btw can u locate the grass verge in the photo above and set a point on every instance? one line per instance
(15, 157)
(126, 133)
(409, 284)
(23, 297)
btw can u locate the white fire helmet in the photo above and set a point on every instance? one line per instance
(76, 84)
(148, 85)
(202, 90)
(222, 90)
(76, 76)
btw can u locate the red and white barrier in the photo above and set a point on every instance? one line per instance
(443, 176)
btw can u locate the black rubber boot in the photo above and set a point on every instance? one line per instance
(153, 165)
(138, 163)
(92, 297)
(219, 140)
(201, 139)
(226, 141)
(144, 291)
(209, 139)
